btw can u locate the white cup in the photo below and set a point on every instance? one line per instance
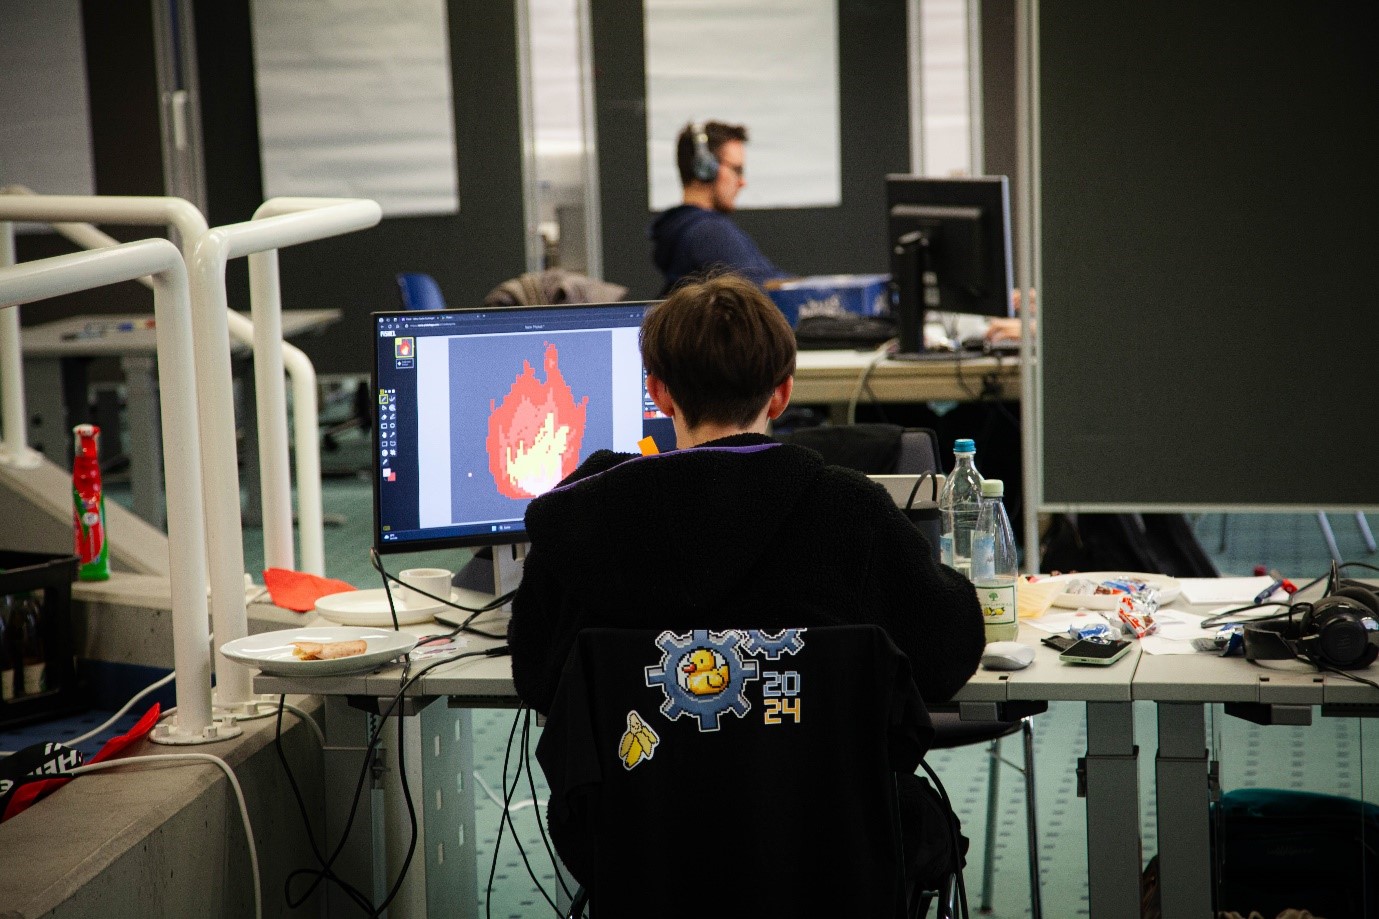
(435, 581)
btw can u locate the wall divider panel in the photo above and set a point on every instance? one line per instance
(1209, 308)
(469, 253)
(874, 130)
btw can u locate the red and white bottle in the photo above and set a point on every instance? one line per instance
(88, 506)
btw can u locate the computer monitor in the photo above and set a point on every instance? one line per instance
(950, 250)
(480, 410)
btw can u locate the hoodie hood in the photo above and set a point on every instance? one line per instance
(685, 529)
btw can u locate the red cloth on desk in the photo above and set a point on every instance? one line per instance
(297, 590)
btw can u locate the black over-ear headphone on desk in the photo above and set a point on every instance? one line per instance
(1340, 631)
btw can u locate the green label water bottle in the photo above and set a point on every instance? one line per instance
(995, 564)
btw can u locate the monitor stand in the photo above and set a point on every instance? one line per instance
(492, 571)
(914, 259)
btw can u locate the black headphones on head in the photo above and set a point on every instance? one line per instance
(704, 165)
(1339, 632)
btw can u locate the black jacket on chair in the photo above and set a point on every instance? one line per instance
(736, 773)
(744, 532)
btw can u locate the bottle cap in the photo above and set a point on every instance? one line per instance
(963, 445)
(993, 488)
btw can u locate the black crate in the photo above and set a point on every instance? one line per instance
(64, 692)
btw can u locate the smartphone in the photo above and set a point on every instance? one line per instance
(1059, 643)
(1092, 651)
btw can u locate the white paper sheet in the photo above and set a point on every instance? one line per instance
(1223, 590)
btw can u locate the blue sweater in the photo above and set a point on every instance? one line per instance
(688, 240)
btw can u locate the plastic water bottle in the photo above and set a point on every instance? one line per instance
(995, 565)
(959, 504)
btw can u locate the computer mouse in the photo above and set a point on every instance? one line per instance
(1007, 655)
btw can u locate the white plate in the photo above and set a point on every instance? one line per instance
(271, 652)
(370, 607)
(1168, 589)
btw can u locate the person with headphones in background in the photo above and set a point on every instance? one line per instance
(698, 236)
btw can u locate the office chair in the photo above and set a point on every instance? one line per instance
(419, 291)
(885, 448)
(676, 764)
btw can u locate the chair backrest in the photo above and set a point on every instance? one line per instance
(419, 291)
(878, 449)
(875, 449)
(675, 760)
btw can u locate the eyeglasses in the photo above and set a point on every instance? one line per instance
(740, 170)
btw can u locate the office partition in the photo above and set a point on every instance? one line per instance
(1208, 307)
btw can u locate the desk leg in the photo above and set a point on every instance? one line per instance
(145, 436)
(1182, 777)
(347, 733)
(1113, 811)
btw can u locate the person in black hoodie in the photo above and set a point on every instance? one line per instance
(736, 530)
(698, 236)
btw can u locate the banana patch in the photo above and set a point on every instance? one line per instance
(638, 741)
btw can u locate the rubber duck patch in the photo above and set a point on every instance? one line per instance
(703, 675)
(638, 741)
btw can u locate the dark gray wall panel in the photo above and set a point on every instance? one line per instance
(1208, 309)
(468, 253)
(874, 129)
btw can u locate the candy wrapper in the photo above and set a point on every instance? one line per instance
(1100, 629)
(1137, 615)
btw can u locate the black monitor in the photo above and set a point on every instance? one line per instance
(950, 250)
(480, 410)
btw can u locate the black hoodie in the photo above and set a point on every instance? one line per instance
(688, 240)
(743, 532)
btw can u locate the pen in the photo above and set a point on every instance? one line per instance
(1269, 591)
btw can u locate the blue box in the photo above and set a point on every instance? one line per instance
(833, 295)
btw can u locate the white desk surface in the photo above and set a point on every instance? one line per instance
(132, 333)
(831, 376)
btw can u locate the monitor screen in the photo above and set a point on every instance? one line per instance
(950, 249)
(481, 410)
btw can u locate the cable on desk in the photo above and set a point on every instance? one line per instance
(182, 759)
(862, 379)
(474, 612)
(523, 715)
(955, 834)
(540, 824)
(325, 872)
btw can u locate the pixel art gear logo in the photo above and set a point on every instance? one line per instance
(774, 647)
(703, 675)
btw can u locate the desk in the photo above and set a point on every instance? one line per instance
(57, 355)
(832, 376)
(1181, 686)
(1110, 764)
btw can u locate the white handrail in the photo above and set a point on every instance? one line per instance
(298, 366)
(280, 222)
(213, 323)
(14, 433)
(66, 274)
(211, 382)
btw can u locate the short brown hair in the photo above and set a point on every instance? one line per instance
(717, 133)
(721, 347)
